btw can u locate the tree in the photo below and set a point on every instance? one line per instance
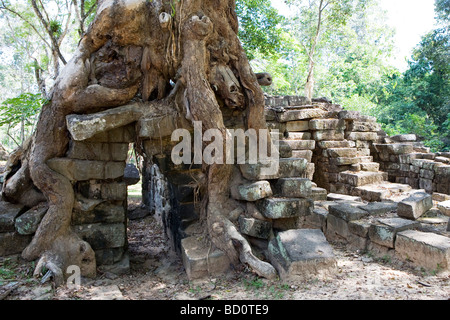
(135, 51)
(315, 18)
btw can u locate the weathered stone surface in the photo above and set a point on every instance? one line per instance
(302, 114)
(283, 168)
(156, 128)
(342, 152)
(336, 144)
(362, 136)
(255, 227)
(301, 144)
(299, 135)
(278, 208)
(303, 154)
(28, 222)
(444, 207)
(131, 174)
(302, 253)
(105, 212)
(347, 211)
(81, 170)
(349, 115)
(384, 232)
(415, 205)
(13, 243)
(318, 194)
(114, 191)
(362, 178)
(297, 126)
(342, 197)
(425, 249)
(377, 208)
(344, 161)
(327, 124)
(8, 214)
(328, 135)
(359, 126)
(98, 151)
(404, 138)
(200, 262)
(359, 228)
(294, 187)
(101, 236)
(252, 191)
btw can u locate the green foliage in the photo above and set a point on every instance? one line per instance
(259, 27)
(14, 110)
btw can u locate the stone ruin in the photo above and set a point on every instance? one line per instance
(340, 178)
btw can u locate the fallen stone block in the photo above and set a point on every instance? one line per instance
(347, 211)
(8, 214)
(293, 187)
(28, 222)
(131, 174)
(255, 227)
(201, 262)
(384, 232)
(428, 250)
(415, 205)
(444, 207)
(342, 152)
(361, 136)
(361, 178)
(301, 254)
(404, 138)
(252, 191)
(318, 194)
(377, 208)
(278, 208)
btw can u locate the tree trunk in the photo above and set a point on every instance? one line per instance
(135, 50)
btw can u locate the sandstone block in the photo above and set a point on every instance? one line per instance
(327, 124)
(253, 191)
(415, 205)
(8, 214)
(297, 126)
(302, 114)
(277, 208)
(283, 168)
(328, 135)
(444, 207)
(294, 187)
(255, 227)
(384, 232)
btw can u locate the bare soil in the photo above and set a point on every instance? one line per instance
(158, 274)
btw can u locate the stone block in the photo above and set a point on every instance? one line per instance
(301, 254)
(362, 178)
(302, 114)
(156, 128)
(359, 228)
(294, 187)
(328, 135)
(28, 222)
(342, 197)
(318, 194)
(81, 170)
(349, 115)
(282, 168)
(255, 227)
(101, 236)
(8, 214)
(377, 208)
(404, 138)
(303, 154)
(327, 124)
(347, 211)
(384, 232)
(344, 161)
(201, 262)
(342, 152)
(336, 144)
(105, 212)
(429, 250)
(361, 136)
(301, 144)
(359, 126)
(444, 207)
(415, 205)
(98, 151)
(13, 243)
(252, 191)
(299, 135)
(114, 191)
(277, 208)
(297, 126)
(131, 174)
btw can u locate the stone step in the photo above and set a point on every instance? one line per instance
(327, 124)
(280, 208)
(326, 144)
(293, 187)
(303, 114)
(362, 178)
(275, 169)
(381, 191)
(299, 136)
(302, 253)
(299, 144)
(342, 152)
(304, 154)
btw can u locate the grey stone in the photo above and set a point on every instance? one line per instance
(82, 170)
(444, 207)
(8, 214)
(255, 228)
(131, 174)
(415, 205)
(101, 236)
(302, 114)
(376, 208)
(347, 212)
(301, 253)
(28, 222)
(98, 151)
(13, 243)
(342, 197)
(327, 124)
(294, 187)
(201, 262)
(105, 212)
(359, 228)
(429, 250)
(384, 232)
(282, 168)
(318, 194)
(278, 208)
(253, 191)
(404, 138)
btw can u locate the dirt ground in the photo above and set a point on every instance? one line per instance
(158, 274)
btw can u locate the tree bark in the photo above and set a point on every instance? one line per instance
(135, 50)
